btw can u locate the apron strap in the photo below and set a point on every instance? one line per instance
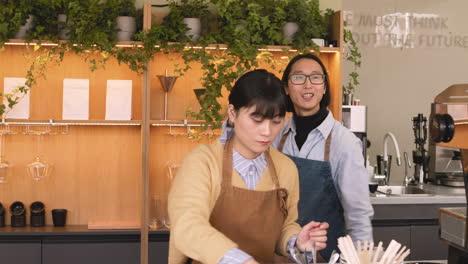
(282, 141)
(227, 165)
(326, 154)
(271, 167)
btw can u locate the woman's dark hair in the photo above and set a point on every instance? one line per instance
(326, 97)
(262, 89)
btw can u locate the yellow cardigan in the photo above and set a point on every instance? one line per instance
(193, 195)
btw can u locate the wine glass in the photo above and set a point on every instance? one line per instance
(38, 169)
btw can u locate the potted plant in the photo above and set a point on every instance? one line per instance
(312, 23)
(13, 15)
(126, 22)
(353, 55)
(46, 25)
(62, 7)
(292, 18)
(189, 13)
(92, 24)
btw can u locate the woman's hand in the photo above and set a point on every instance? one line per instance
(251, 261)
(313, 231)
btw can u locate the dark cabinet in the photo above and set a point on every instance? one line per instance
(158, 252)
(423, 240)
(387, 233)
(413, 225)
(78, 245)
(426, 244)
(91, 252)
(27, 252)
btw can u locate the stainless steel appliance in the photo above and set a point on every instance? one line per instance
(447, 166)
(449, 113)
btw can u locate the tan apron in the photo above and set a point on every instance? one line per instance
(252, 219)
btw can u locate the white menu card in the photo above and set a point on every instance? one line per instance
(75, 99)
(119, 100)
(20, 110)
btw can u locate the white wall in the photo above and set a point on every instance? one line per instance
(398, 81)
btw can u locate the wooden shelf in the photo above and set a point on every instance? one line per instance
(22, 42)
(72, 122)
(131, 44)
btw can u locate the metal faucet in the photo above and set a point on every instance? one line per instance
(408, 180)
(386, 163)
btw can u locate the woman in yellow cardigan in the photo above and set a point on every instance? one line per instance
(235, 201)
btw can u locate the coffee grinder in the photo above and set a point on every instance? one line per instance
(37, 216)
(18, 214)
(420, 156)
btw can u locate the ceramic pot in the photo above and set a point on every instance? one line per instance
(194, 25)
(21, 34)
(126, 27)
(64, 31)
(289, 29)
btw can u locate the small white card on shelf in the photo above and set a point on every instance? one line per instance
(20, 110)
(119, 100)
(75, 99)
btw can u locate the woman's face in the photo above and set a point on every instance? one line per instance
(306, 97)
(253, 133)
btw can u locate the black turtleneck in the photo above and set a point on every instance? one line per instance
(305, 124)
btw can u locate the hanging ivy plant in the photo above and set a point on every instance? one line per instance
(353, 55)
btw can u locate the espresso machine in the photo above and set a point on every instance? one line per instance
(449, 110)
(449, 128)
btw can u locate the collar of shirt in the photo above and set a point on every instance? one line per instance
(250, 170)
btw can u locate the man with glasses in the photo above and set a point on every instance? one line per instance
(332, 178)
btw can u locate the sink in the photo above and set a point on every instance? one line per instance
(399, 190)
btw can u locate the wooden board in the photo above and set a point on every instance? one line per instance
(46, 96)
(95, 175)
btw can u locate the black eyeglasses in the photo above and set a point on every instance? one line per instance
(302, 78)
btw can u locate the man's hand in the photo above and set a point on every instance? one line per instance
(313, 231)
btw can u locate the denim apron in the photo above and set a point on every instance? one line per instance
(318, 198)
